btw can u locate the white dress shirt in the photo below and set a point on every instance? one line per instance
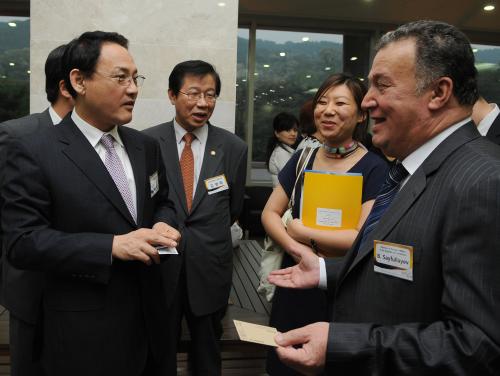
(197, 146)
(484, 125)
(56, 119)
(93, 135)
(412, 162)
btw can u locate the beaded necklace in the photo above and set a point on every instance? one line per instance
(341, 151)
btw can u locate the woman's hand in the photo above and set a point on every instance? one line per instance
(297, 250)
(295, 228)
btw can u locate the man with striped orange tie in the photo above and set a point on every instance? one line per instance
(206, 169)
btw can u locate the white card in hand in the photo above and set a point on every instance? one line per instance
(167, 251)
(261, 334)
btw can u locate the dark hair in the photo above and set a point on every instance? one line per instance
(306, 119)
(83, 52)
(358, 91)
(54, 73)
(441, 51)
(197, 68)
(284, 121)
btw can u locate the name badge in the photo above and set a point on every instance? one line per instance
(216, 184)
(153, 183)
(393, 259)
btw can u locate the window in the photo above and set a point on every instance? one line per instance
(488, 67)
(242, 82)
(14, 67)
(285, 70)
(289, 67)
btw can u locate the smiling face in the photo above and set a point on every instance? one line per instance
(336, 115)
(288, 137)
(193, 114)
(400, 116)
(103, 102)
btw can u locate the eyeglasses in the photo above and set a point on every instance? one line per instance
(124, 80)
(195, 97)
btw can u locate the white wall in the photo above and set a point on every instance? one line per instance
(162, 33)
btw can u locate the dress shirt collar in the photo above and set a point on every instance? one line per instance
(484, 125)
(93, 134)
(201, 133)
(415, 159)
(54, 116)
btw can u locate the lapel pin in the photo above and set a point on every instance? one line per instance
(212, 152)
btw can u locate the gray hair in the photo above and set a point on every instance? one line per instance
(441, 51)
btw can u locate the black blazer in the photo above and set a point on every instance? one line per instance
(445, 321)
(61, 211)
(20, 290)
(206, 246)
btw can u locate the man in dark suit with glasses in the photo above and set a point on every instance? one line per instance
(206, 170)
(85, 203)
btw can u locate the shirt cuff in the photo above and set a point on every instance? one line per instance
(322, 274)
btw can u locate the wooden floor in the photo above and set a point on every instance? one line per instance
(245, 304)
(245, 278)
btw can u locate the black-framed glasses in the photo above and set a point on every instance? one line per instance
(195, 97)
(125, 80)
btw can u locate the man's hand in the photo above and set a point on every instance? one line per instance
(304, 275)
(310, 358)
(137, 245)
(167, 231)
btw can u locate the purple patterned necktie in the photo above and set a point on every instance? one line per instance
(115, 169)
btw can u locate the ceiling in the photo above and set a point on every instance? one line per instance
(370, 15)
(355, 15)
(14, 8)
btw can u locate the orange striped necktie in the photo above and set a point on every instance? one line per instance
(187, 168)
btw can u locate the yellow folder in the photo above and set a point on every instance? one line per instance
(331, 201)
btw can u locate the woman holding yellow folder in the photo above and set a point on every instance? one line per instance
(343, 126)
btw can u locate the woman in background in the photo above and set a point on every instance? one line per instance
(280, 145)
(343, 125)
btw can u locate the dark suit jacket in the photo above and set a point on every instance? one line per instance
(20, 290)
(61, 211)
(494, 131)
(206, 237)
(446, 321)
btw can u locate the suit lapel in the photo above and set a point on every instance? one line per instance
(173, 166)
(82, 154)
(137, 157)
(212, 158)
(411, 191)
